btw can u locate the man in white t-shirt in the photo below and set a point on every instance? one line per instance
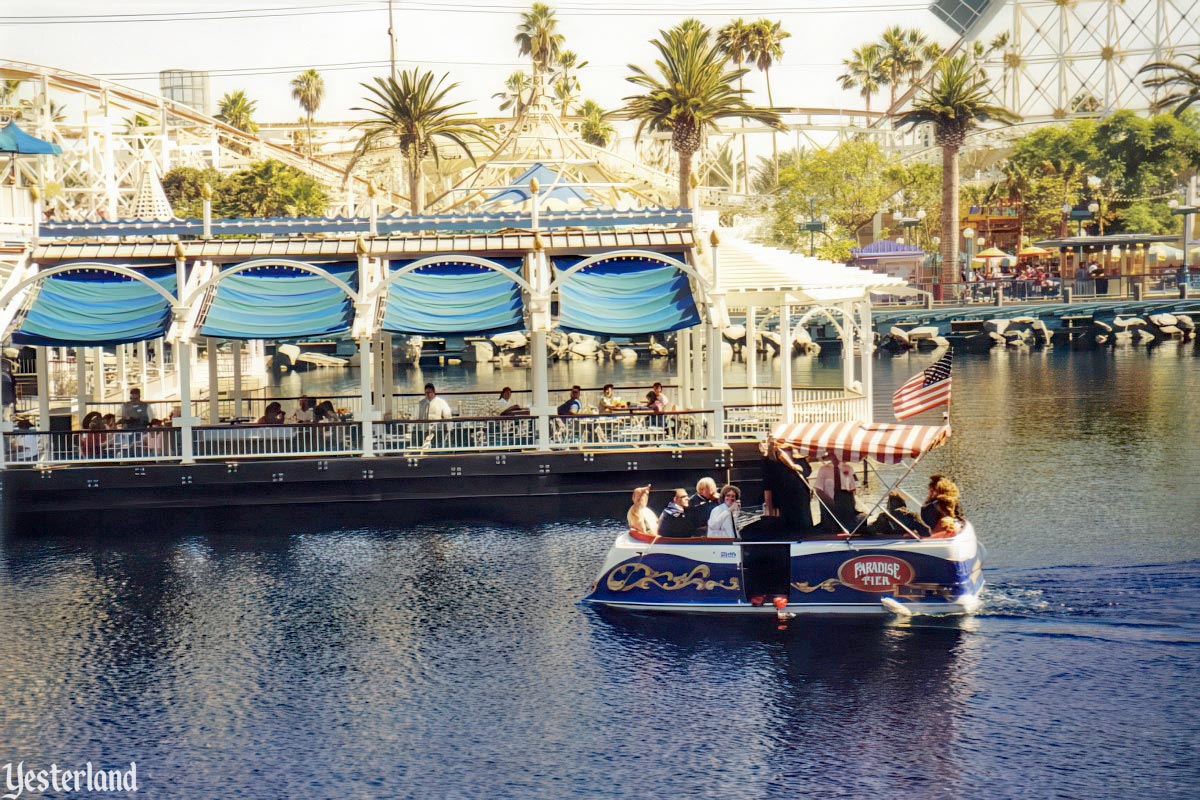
(433, 407)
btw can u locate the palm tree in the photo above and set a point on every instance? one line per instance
(956, 102)
(898, 58)
(766, 47)
(8, 91)
(596, 129)
(414, 110)
(918, 46)
(237, 111)
(865, 71)
(566, 84)
(1018, 181)
(1182, 78)
(692, 91)
(308, 89)
(538, 38)
(734, 41)
(516, 93)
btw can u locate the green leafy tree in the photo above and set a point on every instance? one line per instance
(184, 188)
(270, 188)
(415, 111)
(308, 89)
(596, 129)
(691, 92)
(956, 102)
(237, 111)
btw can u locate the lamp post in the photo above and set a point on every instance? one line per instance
(813, 225)
(1186, 212)
(969, 240)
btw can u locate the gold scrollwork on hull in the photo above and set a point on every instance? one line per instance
(827, 585)
(639, 576)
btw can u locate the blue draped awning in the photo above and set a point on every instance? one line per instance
(454, 297)
(93, 307)
(280, 302)
(625, 295)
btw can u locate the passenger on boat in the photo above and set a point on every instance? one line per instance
(939, 485)
(701, 504)
(898, 519)
(154, 439)
(950, 519)
(272, 414)
(304, 413)
(787, 493)
(828, 486)
(722, 522)
(503, 406)
(110, 422)
(654, 402)
(673, 521)
(24, 444)
(573, 405)
(135, 414)
(640, 517)
(88, 419)
(92, 444)
(662, 397)
(325, 412)
(609, 401)
(432, 406)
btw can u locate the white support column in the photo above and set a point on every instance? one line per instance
(81, 392)
(43, 388)
(141, 358)
(366, 372)
(97, 392)
(380, 378)
(389, 373)
(237, 378)
(750, 350)
(785, 362)
(716, 382)
(699, 379)
(868, 354)
(122, 374)
(214, 382)
(183, 360)
(847, 347)
(541, 389)
(683, 364)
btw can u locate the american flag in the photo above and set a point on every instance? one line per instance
(928, 389)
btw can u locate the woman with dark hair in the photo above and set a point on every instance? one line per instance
(324, 412)
(272, 415)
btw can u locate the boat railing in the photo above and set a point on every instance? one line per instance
(257, 441)
(47, 448)
(457, 435)
(631, 428)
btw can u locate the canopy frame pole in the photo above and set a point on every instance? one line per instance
(81, 392)
(750, 351)
(785, 362)
(883, 495)
(183, 357)
(214, 382)
(43, 386)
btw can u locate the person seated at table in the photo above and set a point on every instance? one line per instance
(722, 520)
(654, 401)
(24, 444)
(93, 443)
(432, 406)
(609, 401)
(661, 395)
(640, 517)
(135, 415)
(110, 422)
(325, 412)
(304, 413)
(673, 521)
(573, 404)
(898, 519)
(86, 423)
(504, 406)
(272, 414)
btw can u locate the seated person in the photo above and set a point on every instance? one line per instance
(654, 402)
(847, 516)
(640, 517)
(93, 443)
(722, 521)
(572, 406)
(154, 440)
(609, 401)
(939, 485)
(24, 444)
(86, 423)
(325, 412)
(272, 414)
(662, 397)
(897, 518)
(110, 422)
(701, 504)
(504, 406)
(673, 521)
(304, 413)
(949, 517)
(432, 406)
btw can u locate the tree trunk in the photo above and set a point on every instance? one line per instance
(745, 158)
(949, 271)
(310, 141)
(416, 200)
(774, 140)
(685, 174)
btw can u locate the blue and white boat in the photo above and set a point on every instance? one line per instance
(808, 572)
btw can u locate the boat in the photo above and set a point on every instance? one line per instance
(806, 572)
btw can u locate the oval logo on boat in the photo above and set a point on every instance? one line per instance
(876, 573)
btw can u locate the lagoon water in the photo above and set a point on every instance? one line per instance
(297, 656)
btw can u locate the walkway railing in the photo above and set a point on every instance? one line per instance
(257, 441)
(458, 435)
(631, 428)
(90, 447)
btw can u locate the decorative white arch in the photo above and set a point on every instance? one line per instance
(445, 258)
(116, 269)
(701, 283)
(303, 266)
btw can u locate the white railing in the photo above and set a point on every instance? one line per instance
(461, 434)
(255, 441)
(631, 428)
(838, 409)
(88, 447)
(750, 422)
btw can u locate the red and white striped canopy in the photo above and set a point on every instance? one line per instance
(854, 441)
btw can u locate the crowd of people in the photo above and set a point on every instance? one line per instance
(789, 489)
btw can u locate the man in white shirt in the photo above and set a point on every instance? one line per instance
(835, 470)
(305, 412)
(433, 407)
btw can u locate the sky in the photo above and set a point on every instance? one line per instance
(267, 42)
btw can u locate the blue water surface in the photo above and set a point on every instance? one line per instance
(297, 656)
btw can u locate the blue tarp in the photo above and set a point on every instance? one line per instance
(518, 192)
(453, 297)
(94, 308)
(280, 302)
(15, 140)
(625, 295)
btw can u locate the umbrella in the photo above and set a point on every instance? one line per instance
(15, 141)
(993, 252)
(1033, 251)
